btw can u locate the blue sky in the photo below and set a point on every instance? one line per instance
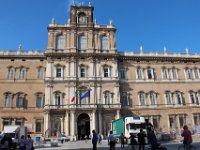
(153, 24)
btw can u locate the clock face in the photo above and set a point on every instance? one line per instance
(82, 19)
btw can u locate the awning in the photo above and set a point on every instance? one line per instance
(10, 129)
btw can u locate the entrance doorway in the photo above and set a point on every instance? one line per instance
(83, 125)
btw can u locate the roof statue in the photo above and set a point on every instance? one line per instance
(165, 50)
(187, 51)
(141, 49)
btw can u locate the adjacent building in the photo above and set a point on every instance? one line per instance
(82, 82)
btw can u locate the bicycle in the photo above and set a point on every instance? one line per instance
(183, 147)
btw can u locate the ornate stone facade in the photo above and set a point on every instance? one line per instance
(82, 61)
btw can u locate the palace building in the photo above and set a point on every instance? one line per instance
(81, 82)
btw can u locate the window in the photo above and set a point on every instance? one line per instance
(156, 122)
(165, 74)
(139, 73)
(82, 71)
(10, 73)
(6, 122)
(39, 101)
(196, 73)
(193, 98)
(150, 74)
(22, 74)
(168, 98)
(106, 71)
(179, 98)
(142, 99)
(152, 98)
(8, 101)
(104, 43)
(196, 118)
(58, 101)
(123, 73)
(188, 74)
(18, 122)
(172, 122)
(38, 126)
(107, 97)
(20, 102)
(60, 42)
(182, 120)
(174, 74)
(82, 42)
(58, 72)
(125, 99)
(40, 73)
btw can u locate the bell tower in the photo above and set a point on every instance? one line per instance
(81, 15)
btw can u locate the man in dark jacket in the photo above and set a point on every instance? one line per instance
(141, 139)
(94, 139)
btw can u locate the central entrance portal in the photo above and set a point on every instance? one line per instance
(83, 124)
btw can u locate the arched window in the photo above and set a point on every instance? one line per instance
(82, 42)
(11, 73)
(40, 73)
(82, 19)
(8, 101)
(125, 99)
(104, 43)
(39, 101)
(168, 98)
(153, 98)
(20, 101)
(165, 73)
(22, 73)
(60, 42)
(140, 75)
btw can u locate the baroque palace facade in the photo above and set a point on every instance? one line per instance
(37, 87)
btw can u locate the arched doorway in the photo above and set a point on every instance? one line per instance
(83, 125)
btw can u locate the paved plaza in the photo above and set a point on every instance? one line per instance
(87, 145)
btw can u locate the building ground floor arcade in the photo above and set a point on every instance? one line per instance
(78, 124)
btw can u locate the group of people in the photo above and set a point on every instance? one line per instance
(151, 137)
(24, 144)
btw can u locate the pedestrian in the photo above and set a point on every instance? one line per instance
(111, 141)
(141, 139)
(29, 143)
(122, 140)
(187, 137)
(100, 138)
(152, 138)
(133, 141)
(22, 143)
(94, 139)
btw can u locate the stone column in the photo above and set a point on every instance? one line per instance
(46, 120)
(66, 124)
(100, 122)
(116, 94)
(62, 124)
(93, 121)
(72, 123)
(115, 69)
(67, 68)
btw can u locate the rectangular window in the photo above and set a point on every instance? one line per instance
(181, 121)
(150, 75)
(123, 73)
(6, 122)
(106, 72)
(104, 43)
(60, 43)
(82, 43)
(125, 99)
(82, 72)
(58, 72)
(196, 73)
(58, 100)
(38, 126)
(196, 118)
(39, 101)
(168, 98)
(142, 99)
(165, 74)
(139, 74)
(174, 74)
(40, 73)
(153, 99)
(107, 98)
(18, 122)
(188, 74)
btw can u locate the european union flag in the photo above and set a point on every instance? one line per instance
(86, 94)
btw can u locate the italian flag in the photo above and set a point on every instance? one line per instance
(75, 95)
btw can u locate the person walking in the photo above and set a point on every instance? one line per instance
(152, 138)
(141, 139)
(111, 141)
(29, 143)
(122, 140)
(94, 139)
(133, 141)
(22, 143)
(187, 137)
